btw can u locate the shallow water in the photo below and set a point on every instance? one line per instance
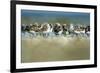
(41, 49)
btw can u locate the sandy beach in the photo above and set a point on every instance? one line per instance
(41, 49)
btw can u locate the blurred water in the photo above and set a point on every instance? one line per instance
(40, 16)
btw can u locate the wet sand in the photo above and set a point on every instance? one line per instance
(54, 49)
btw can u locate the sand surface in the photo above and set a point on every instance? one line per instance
(54, 49)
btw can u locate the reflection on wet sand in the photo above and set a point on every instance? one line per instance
(54, 49)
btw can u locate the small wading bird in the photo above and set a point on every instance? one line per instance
(65, 29)
(57, 29)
